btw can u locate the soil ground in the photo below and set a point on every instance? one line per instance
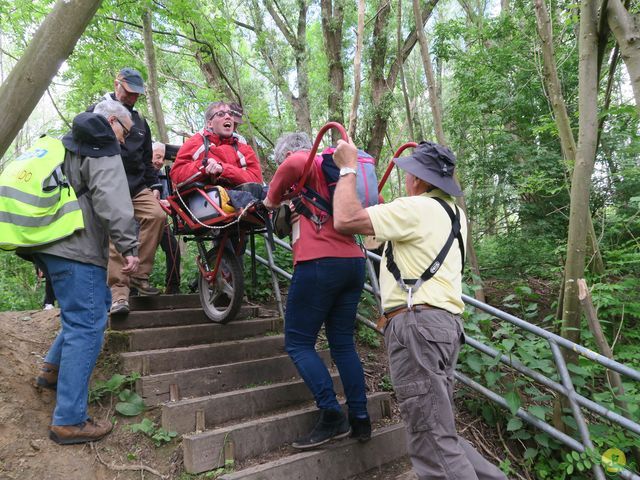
(25, 411)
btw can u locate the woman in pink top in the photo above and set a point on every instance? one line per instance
(328, 276)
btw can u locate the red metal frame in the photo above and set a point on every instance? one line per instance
(210, 276)
(185, 219)
(312, 156)
(392, 163)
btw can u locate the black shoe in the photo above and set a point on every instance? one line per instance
(360, 428)
(331, 424)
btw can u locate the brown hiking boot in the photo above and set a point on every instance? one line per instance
(143, 286)
(48, 377)
(89, 431)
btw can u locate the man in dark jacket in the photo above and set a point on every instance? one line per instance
(77, 267)
(144, 190)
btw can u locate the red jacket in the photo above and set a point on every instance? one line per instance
(239, 161)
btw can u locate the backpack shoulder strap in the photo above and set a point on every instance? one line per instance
(206, 143)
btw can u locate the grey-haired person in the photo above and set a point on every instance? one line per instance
(425, 234)
(77, 266)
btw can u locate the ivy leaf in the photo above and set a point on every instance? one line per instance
(514, 424)
(542, 439)
(508, 344)
(513, 401)
(538, 411)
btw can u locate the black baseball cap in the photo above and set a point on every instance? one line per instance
(131, 80)
(91, 136)
(433, 163)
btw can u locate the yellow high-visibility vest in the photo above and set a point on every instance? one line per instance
(37, 205)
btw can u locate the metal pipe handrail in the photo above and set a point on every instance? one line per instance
(565, 388)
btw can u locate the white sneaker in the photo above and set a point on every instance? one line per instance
(48, 306)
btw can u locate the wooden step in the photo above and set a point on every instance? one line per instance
(184, 336)
(338, 461)
(182, 416)
(168, 318)
(164, 302)
(208, 450)
(198, 382)
(182, 358)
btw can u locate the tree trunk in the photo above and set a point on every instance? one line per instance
(624, 27)
(434, 99)
(567, 142)
(403, 83)
(581, 178)
(298, 42)
(332, 22)
(381, 86)
(353, 115)
(51, 45)
(436, 112)
(153, 97)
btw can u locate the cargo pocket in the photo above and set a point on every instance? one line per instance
(437, 347)
(417, 407)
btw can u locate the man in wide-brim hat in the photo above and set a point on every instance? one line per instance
(425, 234)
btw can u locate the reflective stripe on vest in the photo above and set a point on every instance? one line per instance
(37, 206)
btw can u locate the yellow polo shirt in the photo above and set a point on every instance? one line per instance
(418, 226)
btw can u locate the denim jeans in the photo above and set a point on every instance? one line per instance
(327, 291)
(84, 298)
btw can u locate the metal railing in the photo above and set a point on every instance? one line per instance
(565, 387)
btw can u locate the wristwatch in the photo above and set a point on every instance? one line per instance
(347, 170)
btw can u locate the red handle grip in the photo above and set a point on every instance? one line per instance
(312, 155)
(392, 163)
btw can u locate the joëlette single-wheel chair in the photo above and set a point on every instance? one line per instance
(203, 213)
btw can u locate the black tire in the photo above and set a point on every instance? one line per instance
(222, 300)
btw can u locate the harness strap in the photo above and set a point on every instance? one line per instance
(411, 285)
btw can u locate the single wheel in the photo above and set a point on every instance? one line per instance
(222, 299)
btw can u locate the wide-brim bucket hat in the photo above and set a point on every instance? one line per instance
(91, 136)
(433, 163)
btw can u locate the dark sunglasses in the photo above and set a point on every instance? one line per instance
(125, 130)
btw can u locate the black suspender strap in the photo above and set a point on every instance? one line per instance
(411, 285)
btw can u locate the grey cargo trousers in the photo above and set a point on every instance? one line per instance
(423, 351)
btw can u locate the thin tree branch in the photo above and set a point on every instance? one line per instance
(58, 110)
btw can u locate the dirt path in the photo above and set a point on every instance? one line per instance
(25, 412)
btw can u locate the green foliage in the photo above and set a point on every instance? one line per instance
(263, 289)
(159, 436)
(541, 454)
(20, 288)
(385, 384)
(368, 336)
(130, 404)
(114, 386)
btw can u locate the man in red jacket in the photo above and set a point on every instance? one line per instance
(227, 162)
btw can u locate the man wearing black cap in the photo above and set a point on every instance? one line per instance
(425, 234)
(144, 189)
(77, 267)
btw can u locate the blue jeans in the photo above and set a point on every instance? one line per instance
(84, 298)
(327, 291)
